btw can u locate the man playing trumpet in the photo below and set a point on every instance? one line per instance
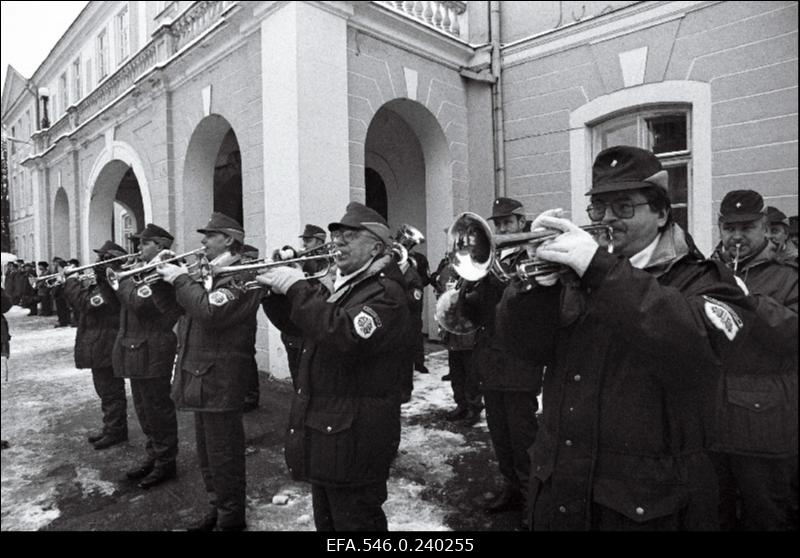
(144, 352)
(98, 323)
(632, 342)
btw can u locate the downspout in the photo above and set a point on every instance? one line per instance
(497, 102)
(28, 85)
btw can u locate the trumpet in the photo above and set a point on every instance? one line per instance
(85, 271)
(208, 272)
(473, 248)
(146, 275)
(400, 253)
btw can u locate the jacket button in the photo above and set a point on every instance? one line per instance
(571, 409)
(757, 405)
(639, 511)
(562, 509)
(133, 346)
(577, 377)
(568, 443)
(328, 428)
(299, 391)
(291, 431)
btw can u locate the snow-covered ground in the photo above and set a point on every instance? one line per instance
(49, 407)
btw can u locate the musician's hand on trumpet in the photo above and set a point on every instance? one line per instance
(169, 271)
(573, 248)
(280, 279)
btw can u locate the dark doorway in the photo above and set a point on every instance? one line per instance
(376, 192)
(228, 179)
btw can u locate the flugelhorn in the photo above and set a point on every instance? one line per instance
(472, 247)
(146, 274)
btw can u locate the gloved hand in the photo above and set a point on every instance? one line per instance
(537, 223)
(573, 248)
(285, 253)
(548, 279)
(165, 255)
(169, 272)
(280, 279)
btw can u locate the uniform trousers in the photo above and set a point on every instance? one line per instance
(253, 394)
(156, 412)
(349, 508)
(511, 418)
(464, 380)
(113, 402)
(220, 451)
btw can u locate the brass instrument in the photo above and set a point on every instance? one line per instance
(146, 274)
(208, 271)
(85, 271)
(473, 248)
(400, 253)
(736, 257)
(410, 234)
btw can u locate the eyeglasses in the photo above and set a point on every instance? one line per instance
(622, 209)
(346, 235)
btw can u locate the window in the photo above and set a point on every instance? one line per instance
(63, 92)
(101, 46)
(122, 35)
(28, 120)
(666, 131)
(76, 80)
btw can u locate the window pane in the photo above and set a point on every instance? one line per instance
(678, 183)
(681, 216)
(619, 133)
(667, 133)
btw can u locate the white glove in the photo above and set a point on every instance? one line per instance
(280, 279)
(573, 248)
(547, 280)
(537, 223)
(169, 272)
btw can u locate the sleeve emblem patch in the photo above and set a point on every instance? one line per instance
(96, 300)
(220, 297)
(722, 317)
(364, 325)
(144, 291)
(418, 294)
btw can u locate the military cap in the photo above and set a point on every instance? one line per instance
(43, 264)
(313, 231)
(776, 217)
(111, 249)
(221, 223)
(503, 207)
(623, 167)
(793, 224)
(359, 216)
(155, 233)
(740, 206)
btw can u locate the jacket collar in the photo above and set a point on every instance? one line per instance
(380, 264)
(673, 245)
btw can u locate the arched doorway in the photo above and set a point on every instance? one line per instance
(116, 206)
(212, 175)
(61, 242)
(408, 176)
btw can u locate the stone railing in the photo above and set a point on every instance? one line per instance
(168, 39)
(447, 17)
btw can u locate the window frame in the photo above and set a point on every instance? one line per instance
(77, 90)
(63, 92)
(122, 23)
(101, 54)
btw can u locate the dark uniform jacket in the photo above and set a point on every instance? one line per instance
(145, 344)
(215, 343)
(98, 322)
(757, 394)
(345, 415)
(498, 368)
(5, 306)
(632, 358)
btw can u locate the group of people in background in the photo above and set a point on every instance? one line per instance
(668, 380)
(39, 299)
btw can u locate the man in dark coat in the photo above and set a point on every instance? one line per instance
(632, 343)
(345, 415)
(778, 234)
(509, 385)
(251, 398)
(144, 352)
(98, 323)
(756, 438)
(215, 348)
(43, 291)
(417, 281)
(28, 297)
(57, 292)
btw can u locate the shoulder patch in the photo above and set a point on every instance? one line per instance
(220, 297)
(365, 323)
(144, 291)
(418, 294)
(722, 317)
(96, 300)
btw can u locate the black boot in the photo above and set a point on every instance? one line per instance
(509, 499)
(458, 413)
(158, 475)
(472, 417)
(96, 437)
(109, 440)
(140, 471)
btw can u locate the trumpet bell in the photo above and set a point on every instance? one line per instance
(469, 242)
(449, 316)
(410, 233)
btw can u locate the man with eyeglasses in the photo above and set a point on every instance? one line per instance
(345, 416)
(755, 439)
(632, 343)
